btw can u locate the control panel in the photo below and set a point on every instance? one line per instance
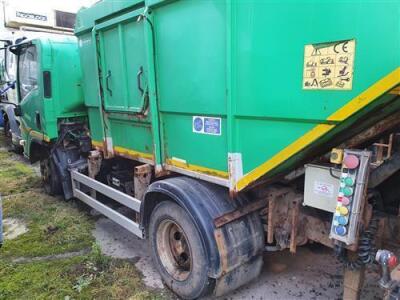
(353, 182)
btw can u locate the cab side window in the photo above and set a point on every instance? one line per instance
(28, 71)
(10, 65)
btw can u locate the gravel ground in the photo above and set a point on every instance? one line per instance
(313, 273)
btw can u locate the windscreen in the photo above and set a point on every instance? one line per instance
(27, 71)
(3, 76)
(10, 65)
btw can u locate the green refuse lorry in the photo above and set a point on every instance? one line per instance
(229, 128)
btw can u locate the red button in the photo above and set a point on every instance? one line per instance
(392, 261)
(345, 201)
(351, 161)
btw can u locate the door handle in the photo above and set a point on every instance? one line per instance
(139, 80)
(107, 82)
(38, 121)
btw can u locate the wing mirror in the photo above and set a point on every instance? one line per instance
(18, 111)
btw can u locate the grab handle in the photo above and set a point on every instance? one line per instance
(139, 81)
(107, 82)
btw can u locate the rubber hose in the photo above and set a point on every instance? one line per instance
(366, 247)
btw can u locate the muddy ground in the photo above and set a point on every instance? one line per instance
(120, 266)
(313, 273)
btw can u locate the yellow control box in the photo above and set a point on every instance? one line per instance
(336, 156)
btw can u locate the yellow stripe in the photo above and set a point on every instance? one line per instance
(124, 151)
(132, 153)
(279, 158)
(195, 168)
(172, 162)
(34, 133)
(365, 98)
(356, 104)
(97, 144)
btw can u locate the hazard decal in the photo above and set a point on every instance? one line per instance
(329, 66)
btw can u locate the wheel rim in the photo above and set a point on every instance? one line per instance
(174, 250)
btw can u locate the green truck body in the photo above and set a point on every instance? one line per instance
(49, 88)
(240, 67)
(207, 119)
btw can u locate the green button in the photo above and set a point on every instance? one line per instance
(349, 181)
(348, 191)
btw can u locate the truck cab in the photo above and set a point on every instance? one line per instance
(48, 87)
(49, 96)
(8, 91)
(22, 20)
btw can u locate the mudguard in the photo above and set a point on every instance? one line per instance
(235, 246)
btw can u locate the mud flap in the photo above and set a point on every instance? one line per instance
(70, 157)
(242, 275)
(63, 161)
(240, 245)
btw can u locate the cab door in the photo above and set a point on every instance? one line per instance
(28, 92)
(123, 63)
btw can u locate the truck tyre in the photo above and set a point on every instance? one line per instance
(6, 128)
(50, 179)
(178, 252)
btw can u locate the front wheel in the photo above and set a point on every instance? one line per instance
(50, 180)
(178, 252)
(7, 130)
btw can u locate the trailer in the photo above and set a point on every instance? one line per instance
(226, 130)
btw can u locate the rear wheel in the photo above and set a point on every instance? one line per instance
(178, 252)
(50, 180)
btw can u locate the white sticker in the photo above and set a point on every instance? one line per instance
(329, 66)
(206, 125)
(324, 189)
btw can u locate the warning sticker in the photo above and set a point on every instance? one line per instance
(207, 125)
(324, 189)
(329, 66)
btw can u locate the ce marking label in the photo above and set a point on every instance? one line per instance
(344, 47)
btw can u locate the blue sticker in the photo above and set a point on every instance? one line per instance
(198, 124)
(206, 125)
(212, 126)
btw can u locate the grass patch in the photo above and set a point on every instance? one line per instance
(15, 176)
(74, 278)
(37, 280)
(2, 137)
(54, 226)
